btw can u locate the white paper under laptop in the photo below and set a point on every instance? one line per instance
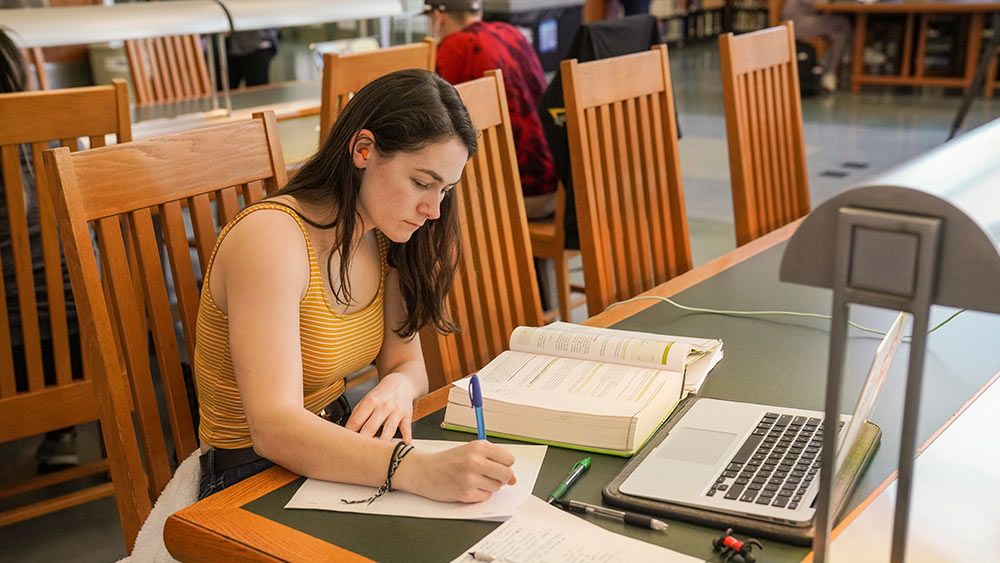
(753, 460)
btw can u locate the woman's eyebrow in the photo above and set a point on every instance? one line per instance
(432, 174)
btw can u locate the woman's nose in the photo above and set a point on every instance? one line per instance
(431, 206)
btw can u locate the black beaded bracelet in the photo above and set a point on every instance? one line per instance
(398, 453)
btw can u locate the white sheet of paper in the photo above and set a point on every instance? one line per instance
(326, 495)
(539, 532)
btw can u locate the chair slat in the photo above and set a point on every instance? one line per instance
(227, 204)
(204, 229)
(7, 383)
(633, 279)
(24, 277)
(612, 191)
(147, 257)
(781, 131)
(140, 76)
(130, 327)
(52, 258)
(765, 94)
(178, 60)
(639, 210)
(654, 220)
(182, 272)
(158, 71)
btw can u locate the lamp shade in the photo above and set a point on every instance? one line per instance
(957, 183)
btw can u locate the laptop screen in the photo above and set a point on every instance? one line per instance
(884, 355)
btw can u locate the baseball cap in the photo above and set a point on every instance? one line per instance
(452, 6)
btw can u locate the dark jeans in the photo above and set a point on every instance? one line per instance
(213, 481)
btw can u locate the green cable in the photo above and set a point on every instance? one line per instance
(762, 313)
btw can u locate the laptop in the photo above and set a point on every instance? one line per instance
(755, 461)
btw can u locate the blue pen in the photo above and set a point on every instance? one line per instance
(476, 396)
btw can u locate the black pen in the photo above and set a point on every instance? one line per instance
(621, 516)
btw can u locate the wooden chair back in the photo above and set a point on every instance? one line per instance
(626, 174)
(495, 288)
(344, 75)
(168, 69)
(35, 58)
(59, 398)
(767, 159)
(134, 198)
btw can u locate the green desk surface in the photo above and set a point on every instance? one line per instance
(770, 360)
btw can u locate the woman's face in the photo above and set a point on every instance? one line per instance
(400, 192)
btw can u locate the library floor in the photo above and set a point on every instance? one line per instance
(876, 129)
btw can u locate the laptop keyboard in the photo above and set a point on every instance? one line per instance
(776, 463)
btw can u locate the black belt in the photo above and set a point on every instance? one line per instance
(337, 412)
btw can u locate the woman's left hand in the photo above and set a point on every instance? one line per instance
(388, 406)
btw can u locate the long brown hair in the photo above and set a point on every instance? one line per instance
(405, 111)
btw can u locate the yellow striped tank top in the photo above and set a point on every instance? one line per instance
(333, 347)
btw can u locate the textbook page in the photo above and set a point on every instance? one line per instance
(624, 347)
(566, 384)
(326, 495)
(541, 533)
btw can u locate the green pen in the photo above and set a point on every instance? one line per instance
(579, 468)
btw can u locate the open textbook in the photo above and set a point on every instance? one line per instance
(583, 387)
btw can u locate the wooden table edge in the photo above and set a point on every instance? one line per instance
(905, 7)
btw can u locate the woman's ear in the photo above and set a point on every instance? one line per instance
(363, 148)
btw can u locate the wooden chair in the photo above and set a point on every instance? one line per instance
(767, 160)
(626, 174)
(32, 120)
(132, 196)
(495, 289)
(819, 44)
(548, 241)
(168, 69)
(36, 59)
(343, 75)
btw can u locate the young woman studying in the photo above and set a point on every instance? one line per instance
(341, 267)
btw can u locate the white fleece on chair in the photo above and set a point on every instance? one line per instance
(180, 492)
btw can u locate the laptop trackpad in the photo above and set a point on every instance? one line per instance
(697, 445)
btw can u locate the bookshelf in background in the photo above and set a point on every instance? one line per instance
(748, 15)
(692, 20)
(689, 20)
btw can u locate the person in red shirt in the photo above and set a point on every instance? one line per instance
(468, 48)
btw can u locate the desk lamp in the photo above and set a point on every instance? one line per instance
(926, 232)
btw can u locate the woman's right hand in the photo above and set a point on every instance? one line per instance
(471, 472)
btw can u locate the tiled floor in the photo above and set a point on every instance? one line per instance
(881, 129)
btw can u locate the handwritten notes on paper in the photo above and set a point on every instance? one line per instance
(326, 495)
(539, 532)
